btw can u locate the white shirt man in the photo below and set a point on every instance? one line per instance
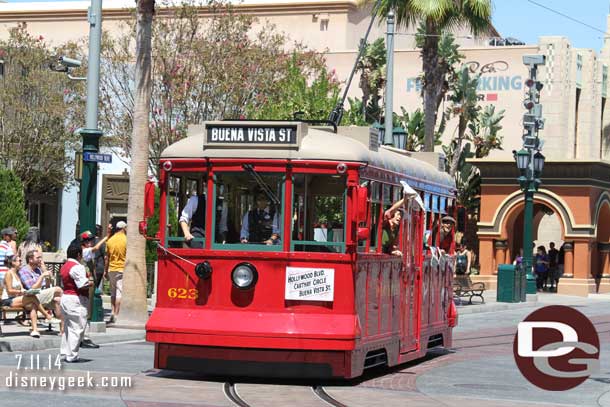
(74, 303)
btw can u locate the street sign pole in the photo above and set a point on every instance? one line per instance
(91, 134)
(91, 141)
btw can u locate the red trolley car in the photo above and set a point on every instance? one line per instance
(320, 298)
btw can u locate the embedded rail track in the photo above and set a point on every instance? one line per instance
(230, 391)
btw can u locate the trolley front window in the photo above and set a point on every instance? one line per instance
(319, 213)
(249, 210)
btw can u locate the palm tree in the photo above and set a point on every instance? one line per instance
(436, 16)
(134, 308)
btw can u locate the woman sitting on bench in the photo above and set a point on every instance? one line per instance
(17, 297)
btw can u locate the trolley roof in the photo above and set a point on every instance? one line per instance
(309, 143)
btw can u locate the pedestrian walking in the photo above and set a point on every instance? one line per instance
(553, 278)
(116, 248)
(541, 268)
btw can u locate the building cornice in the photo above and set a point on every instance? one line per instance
(121, 12)
(573, 173)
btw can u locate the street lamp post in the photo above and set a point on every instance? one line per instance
(90, 134)
(530, 161)
(389, 87)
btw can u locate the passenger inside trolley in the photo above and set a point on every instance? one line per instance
(260, 224)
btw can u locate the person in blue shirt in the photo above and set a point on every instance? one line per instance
(541, 266)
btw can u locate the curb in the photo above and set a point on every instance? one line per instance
(479, 309)
(45, 342)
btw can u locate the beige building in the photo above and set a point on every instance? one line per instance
(574, 196)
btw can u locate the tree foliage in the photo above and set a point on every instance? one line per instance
(372, 70)
(434, 18)
(209, 68)
(306, 87)
(39, 110)
(12, 202)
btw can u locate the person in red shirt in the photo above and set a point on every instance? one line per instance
(74, 303)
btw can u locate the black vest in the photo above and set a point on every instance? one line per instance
(199, 215)
(260, 225)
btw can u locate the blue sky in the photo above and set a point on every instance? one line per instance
(527, 21)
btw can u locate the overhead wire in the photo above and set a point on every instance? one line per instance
(566, 16)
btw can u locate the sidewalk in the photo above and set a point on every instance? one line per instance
(491, 305)
(16, 338)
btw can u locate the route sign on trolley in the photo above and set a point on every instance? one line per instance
(309, 284)
(238, 134)
(97, 157)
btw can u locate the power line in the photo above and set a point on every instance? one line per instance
(566, 16)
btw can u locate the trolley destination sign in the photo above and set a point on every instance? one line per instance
(309, 284)
(244, 135)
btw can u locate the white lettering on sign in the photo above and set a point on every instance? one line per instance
(309, 284)
(227, 134)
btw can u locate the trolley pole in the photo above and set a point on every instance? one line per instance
(389, 90)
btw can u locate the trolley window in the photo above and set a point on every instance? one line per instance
(375, 215)
(249, 210)
(185, 192)
(319, 213)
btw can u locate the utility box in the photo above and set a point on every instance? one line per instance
(510, 284)
(523, 283)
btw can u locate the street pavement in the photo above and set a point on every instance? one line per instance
(479, 370)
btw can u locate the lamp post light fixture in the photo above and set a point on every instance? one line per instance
(523, 158)
(380, 131)
(400, 137)
(538, 162)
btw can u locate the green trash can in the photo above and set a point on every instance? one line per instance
(509, 284)
(523, 283)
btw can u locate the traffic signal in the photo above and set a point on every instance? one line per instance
(533, 120)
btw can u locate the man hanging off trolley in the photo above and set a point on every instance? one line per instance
(261, 224)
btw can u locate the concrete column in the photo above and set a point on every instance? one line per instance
(568, 259)
(577, 278)
(487, 263)
(604, 258)
(500, 247)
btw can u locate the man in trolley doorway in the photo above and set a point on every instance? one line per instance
(261, 224)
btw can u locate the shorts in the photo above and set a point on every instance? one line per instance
(46, 296)
(116, 284)
(7, 302)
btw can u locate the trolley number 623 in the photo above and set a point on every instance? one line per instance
(183, 293)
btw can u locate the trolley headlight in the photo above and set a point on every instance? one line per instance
(244, 276)
(203, 270)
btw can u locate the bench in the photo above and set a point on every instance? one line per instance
(22, 315)
(464, 287)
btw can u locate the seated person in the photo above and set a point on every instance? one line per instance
(391, 231)
(35, 275)
(261, 224)
(17, 297)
